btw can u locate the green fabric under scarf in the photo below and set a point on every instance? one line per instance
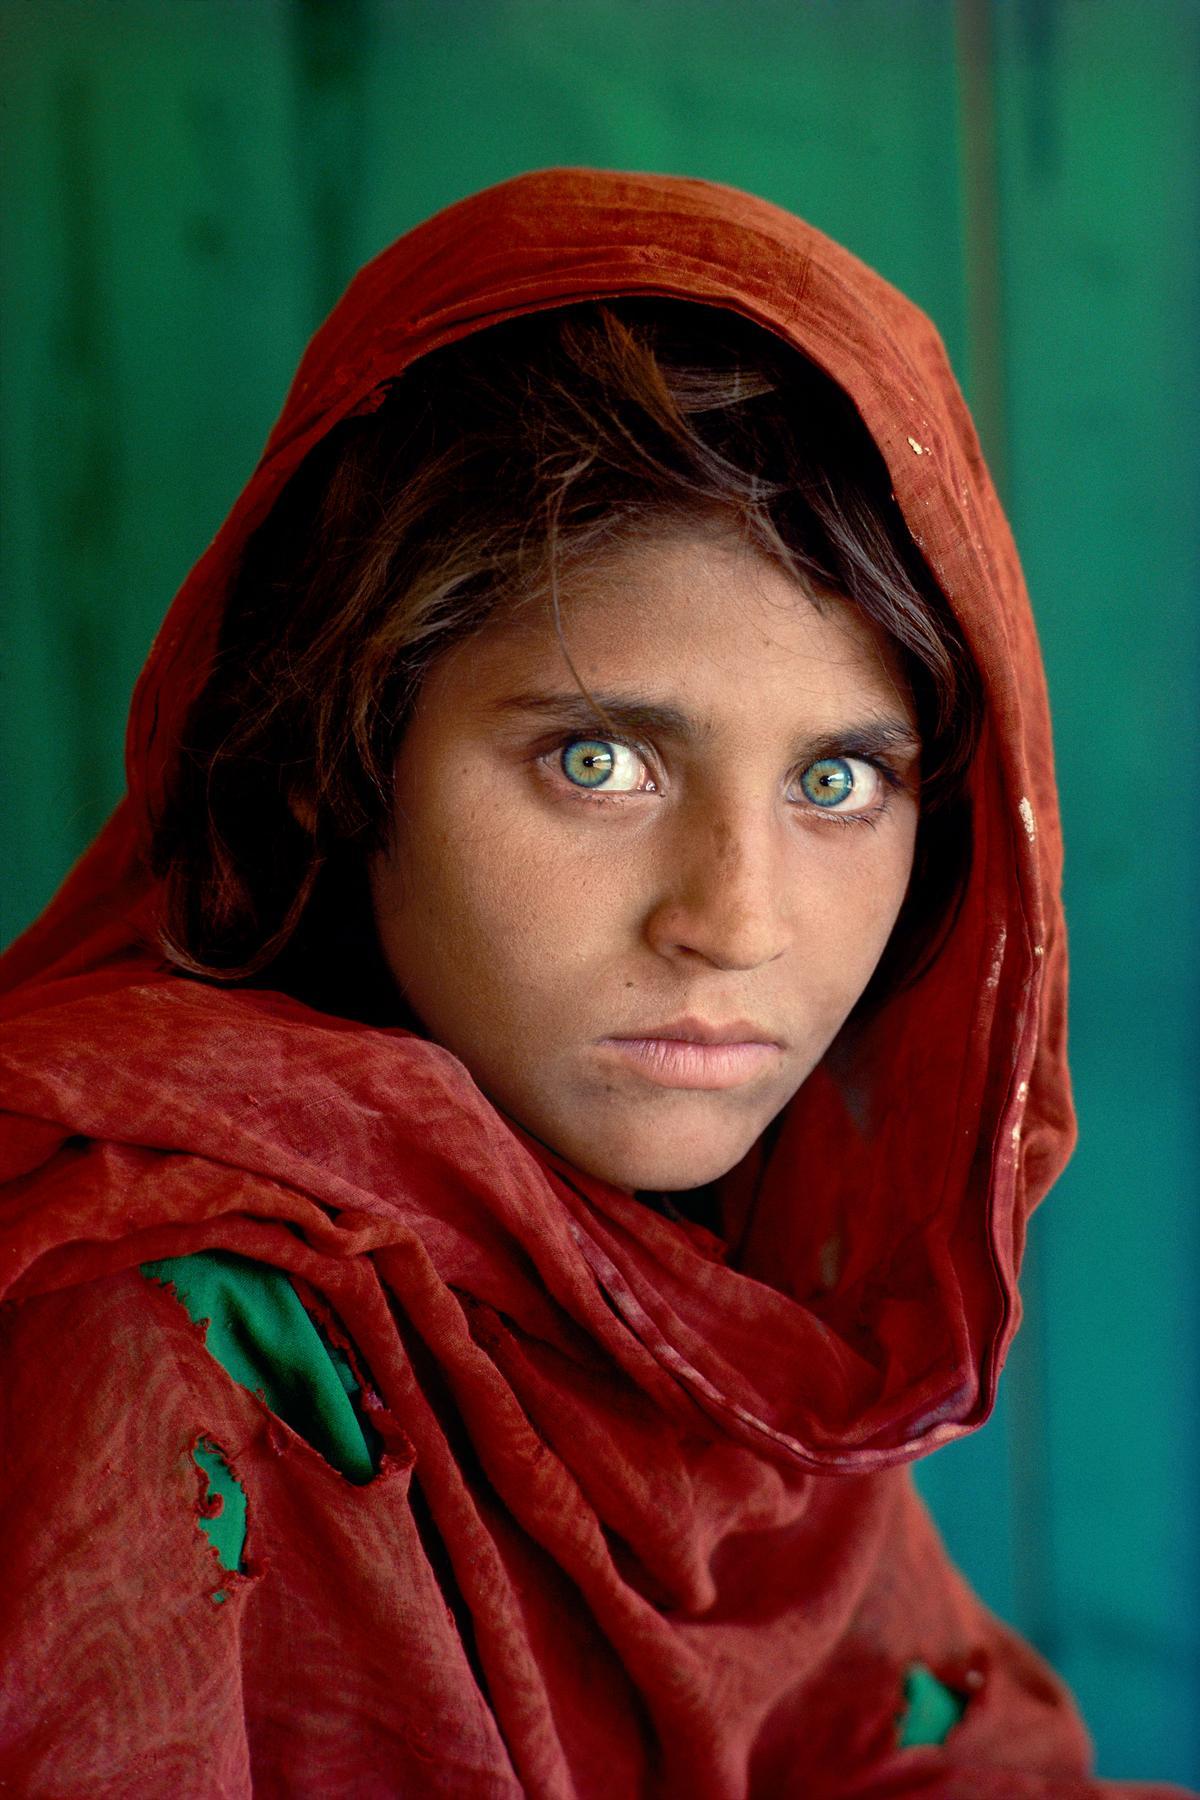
(260, 1333)
(224, 1520)
(262, 1336)
(933, 1709)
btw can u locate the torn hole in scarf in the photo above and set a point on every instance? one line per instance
(931, 1709)
(221, 1511)
(256, 1327)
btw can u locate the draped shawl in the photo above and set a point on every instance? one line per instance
(644, 1522)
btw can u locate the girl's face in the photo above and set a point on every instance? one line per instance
(640, 937)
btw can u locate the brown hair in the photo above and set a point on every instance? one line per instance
(492, 468)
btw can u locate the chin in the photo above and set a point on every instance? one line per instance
(660, 1167)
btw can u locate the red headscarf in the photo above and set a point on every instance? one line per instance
(671, 1495)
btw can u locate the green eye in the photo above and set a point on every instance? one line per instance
(826, 783)
(604, 763)
(588, 762)
(831, 781)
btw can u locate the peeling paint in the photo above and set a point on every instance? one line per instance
(1023, 1090)
(918, 449)
(1027, 819)
(1039, 950)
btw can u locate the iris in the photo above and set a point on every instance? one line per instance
(588, 762)
(829, 781)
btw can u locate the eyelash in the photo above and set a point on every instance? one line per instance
(892, 781)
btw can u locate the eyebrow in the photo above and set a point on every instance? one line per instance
(873, 735)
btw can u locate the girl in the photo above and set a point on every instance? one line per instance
(525, 1119)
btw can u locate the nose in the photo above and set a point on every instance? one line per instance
(722, 895)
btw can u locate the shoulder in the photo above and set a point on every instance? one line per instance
(118, 1624)
(75, 1358)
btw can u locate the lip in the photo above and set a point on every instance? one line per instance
(690, 1053)
(699, 1031)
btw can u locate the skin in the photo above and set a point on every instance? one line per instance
(528, 920)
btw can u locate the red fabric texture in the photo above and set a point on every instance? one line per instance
(645, 1523)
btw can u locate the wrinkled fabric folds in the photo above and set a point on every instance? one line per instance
(644, 1522)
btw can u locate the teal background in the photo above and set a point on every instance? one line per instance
(186, 188)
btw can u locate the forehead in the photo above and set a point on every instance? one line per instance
(700, 618)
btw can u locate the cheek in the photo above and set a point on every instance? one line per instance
(849, 912)
(477, 904)
(879, 895)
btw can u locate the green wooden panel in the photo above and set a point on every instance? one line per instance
(157, 291)
(185, 190)
(1100, 161)
(814, 105)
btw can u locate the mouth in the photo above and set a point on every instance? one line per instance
(691, 1053)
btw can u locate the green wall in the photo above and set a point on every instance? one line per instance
(187, 186)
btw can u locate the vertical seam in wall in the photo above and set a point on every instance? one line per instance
(1034, 1586)
(980, 189)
